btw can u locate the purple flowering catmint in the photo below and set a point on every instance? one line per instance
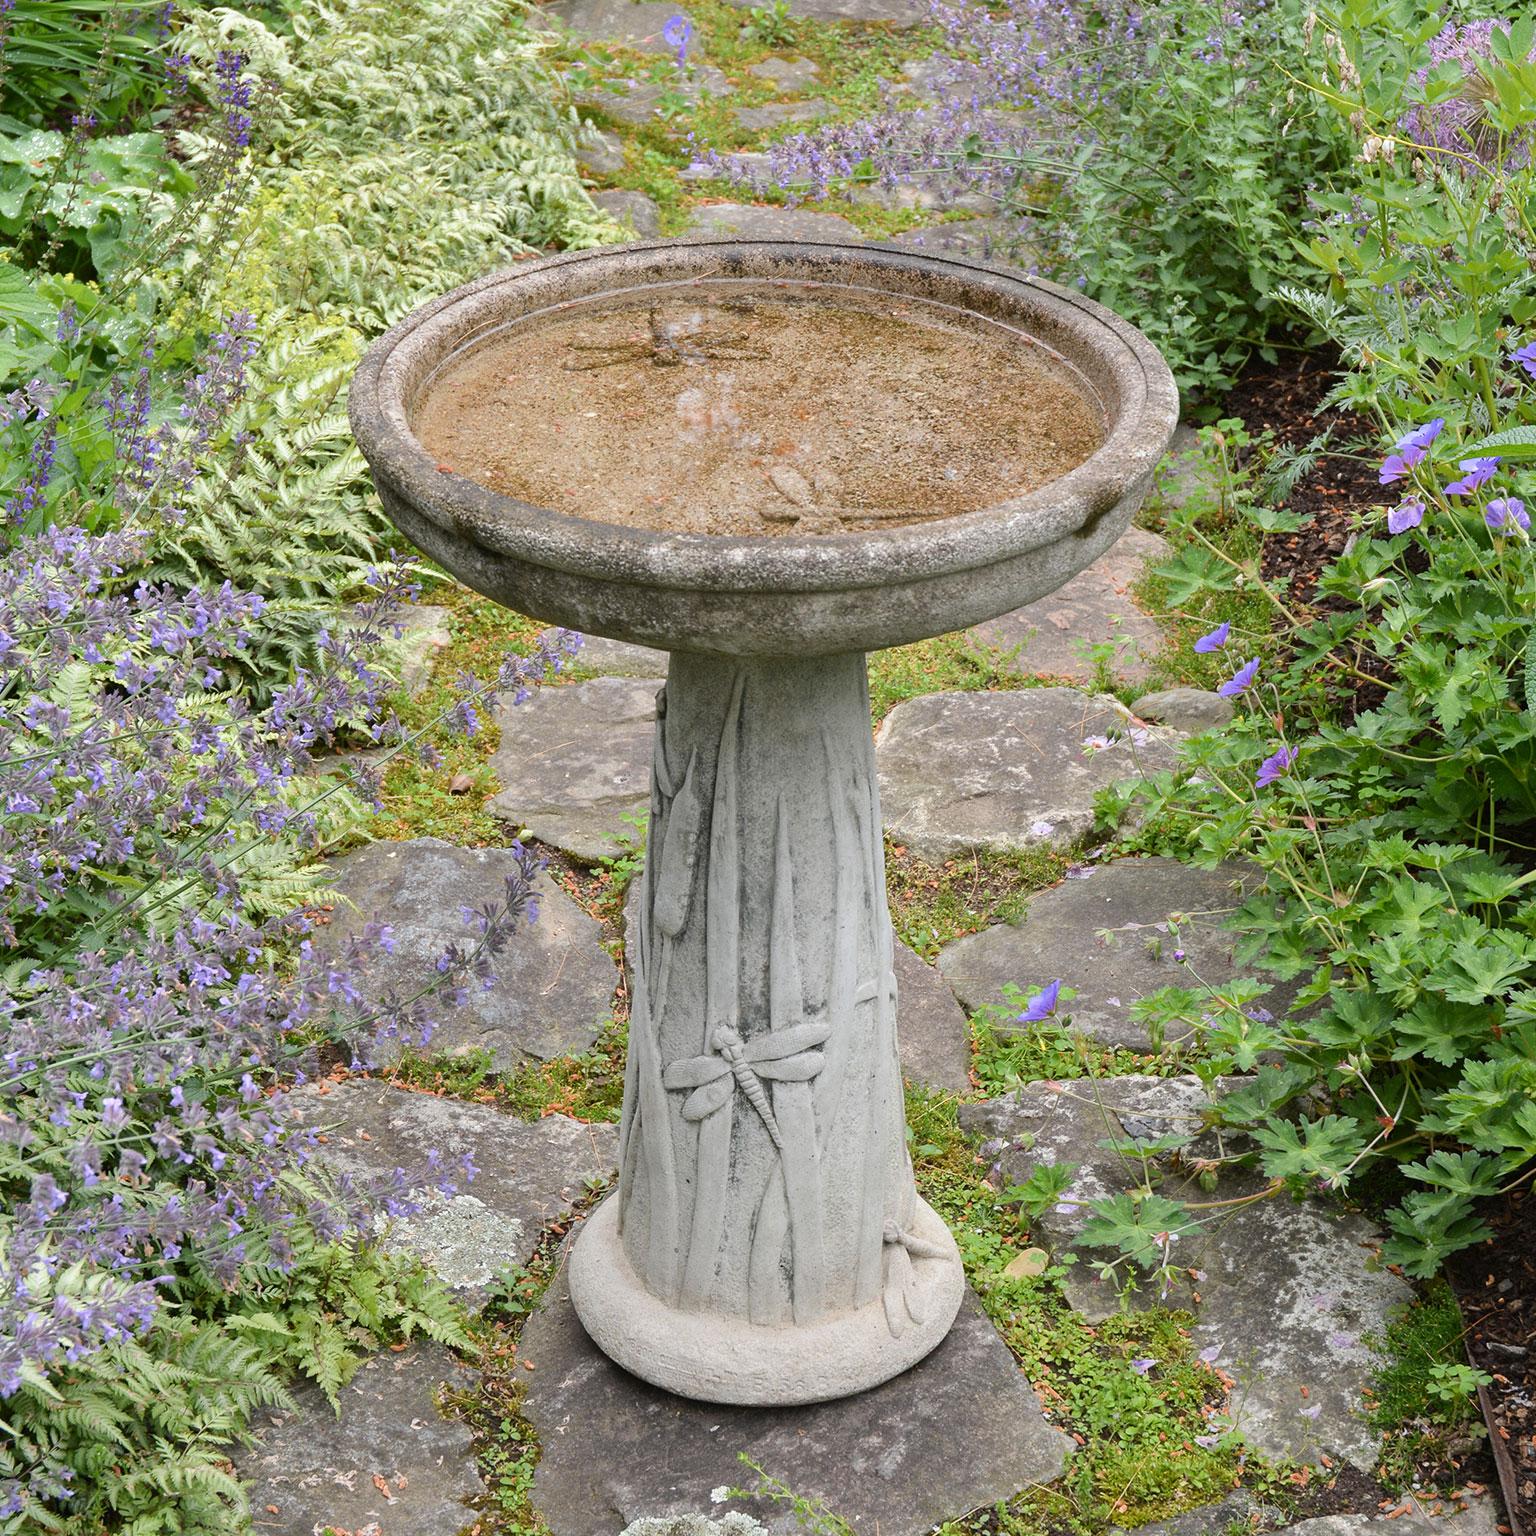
(1476, 473)
(1241, 680)
(1214, 640)
(235, 92)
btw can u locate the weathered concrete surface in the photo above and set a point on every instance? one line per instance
(1094, 607)
(1006, 771)
(391, 1465)
(527, 1175)
(931, 1031)
(642, 215)
(616, 658)
(553, 986)
(575, 761)
(761, 222)
(931, 1028)
(960, 1429)
(1114, 934)
(1185, 709)
(1287, 1291)
(693, 1525)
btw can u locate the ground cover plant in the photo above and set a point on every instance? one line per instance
(171, 1253)
(1379, 770)
(1158, 157)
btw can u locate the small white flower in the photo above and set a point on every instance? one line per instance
(719, 1495)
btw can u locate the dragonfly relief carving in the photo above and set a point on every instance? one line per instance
(785, 1055)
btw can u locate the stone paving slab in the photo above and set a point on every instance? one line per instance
(1112, 933)
(1289, 1291)
(554, 984)
(636, 210)
(1185, 709)
(575, 760)
(312, 1470)
(899, 13)
(931, 1033)
(600, 153)
(795, 74)
(960, 1429)
(633, 24)
(528, 1174)
(615, 658)
(1094, 607)
(991, 239)
(635, 101)
(1006, 771)
(775, 114)
(752, 221)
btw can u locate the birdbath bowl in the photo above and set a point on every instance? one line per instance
(766, 458)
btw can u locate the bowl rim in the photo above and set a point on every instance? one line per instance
(504, 526)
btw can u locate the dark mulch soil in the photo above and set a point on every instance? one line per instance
(1496, 1285)
(1283, 399)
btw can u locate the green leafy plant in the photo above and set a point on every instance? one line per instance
(773, 25)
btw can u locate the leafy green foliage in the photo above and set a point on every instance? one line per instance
(99, 54)
(145, 1425)
(1189, 238)
(86, 200)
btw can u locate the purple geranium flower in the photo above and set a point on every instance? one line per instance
(677, 34)
(1503, 510)
(1526, 357)
(1478, 472)
(1410, 450)
(1405, 515)
(1241, 680)
(1214, 640)
(1042, 1005)
(1142, 1364)
(1273, 766)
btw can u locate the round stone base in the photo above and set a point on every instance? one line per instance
(725, 1360)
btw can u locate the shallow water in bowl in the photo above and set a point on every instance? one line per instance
(759, 408)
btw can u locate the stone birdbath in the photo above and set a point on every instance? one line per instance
(768, 459)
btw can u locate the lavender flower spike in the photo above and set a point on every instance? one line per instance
(1241, 680)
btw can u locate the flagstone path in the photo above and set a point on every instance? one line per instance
(1287, 1295)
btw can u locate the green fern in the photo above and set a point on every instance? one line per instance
(416, 144)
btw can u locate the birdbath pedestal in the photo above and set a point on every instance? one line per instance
(765, 1243)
